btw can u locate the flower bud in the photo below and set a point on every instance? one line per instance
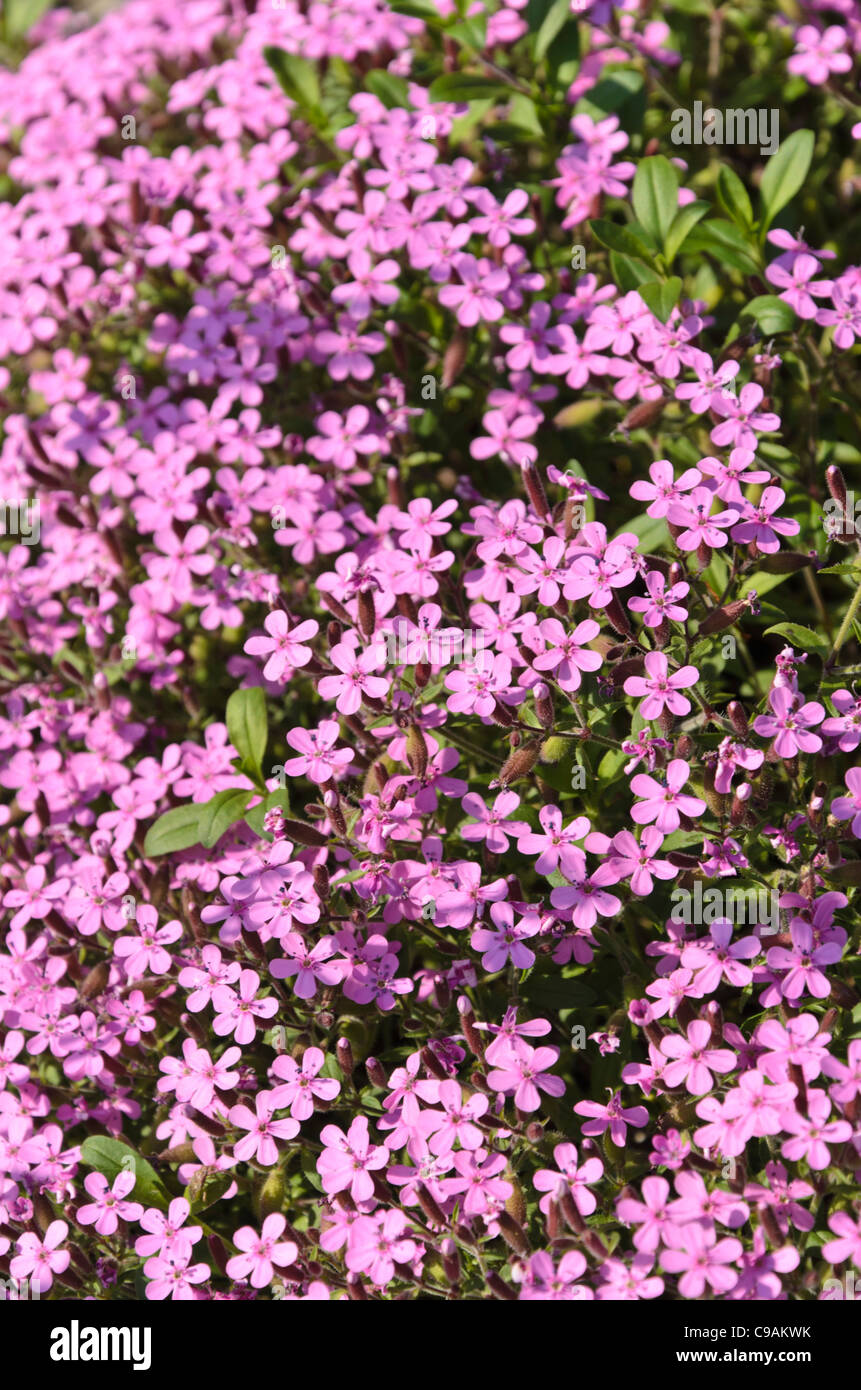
(544, 704)
(519, 763)
(535, 489)
(417, 751)
(344, 1054)
(376, 1074)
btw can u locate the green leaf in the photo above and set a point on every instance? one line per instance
(175, 830)
(524, 113)
(621, 93)
(617, 238)
(732, 196)
(726, 243)
(655, 195)
(629, 274)
(296, 77)
(662, 298)
(466, 86)
(472, 33)
(772, 314)
(247, 724)
(682, 224)
(554, 21)
(111, 1157)
(799, 636)
(222, 811)
(417, 9)
(392, 91)
(21, 15)
(784, 174)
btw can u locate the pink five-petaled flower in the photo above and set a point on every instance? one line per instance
(524, 1072)
(848, 1243)
(660, 688)
(649, 1215)
(802, 963)
(572, 1177)
(849, 807)
(284, 649)
(566, 655)
(665, 804)
(700, 1258)
(814, 1132)
(301, 1083)
(171, 1276)
(309, 966)
(664, 489)
(38, 1260)
(639, 861)
(348, 1160)
(504, 941)
(236, 1013)
(319, 760)
(456, 1123)
(377, 1243)
(355, 679)
(109, 1204)
(478, 1178)
(611, 1115)
(695, 1059)
(493, 825)
(260, 1253)
(168, 1234)
(259, 1142)
(790, 723)
(699, 527)
(717, 957)
(662, 604)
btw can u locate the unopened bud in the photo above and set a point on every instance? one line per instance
(376, 1074)
(544, 704)
(519, 763)
(535, 489)
(344, 1054)
(417, 751)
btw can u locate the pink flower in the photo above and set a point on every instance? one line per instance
(814, 1132)
(318, 759)
(567, 656)
(355, 680)
(309, 966)
(662, 604)
(109, 1204)
(236, 1013)
(665, 805)
(695, 1058)
(817, 54)
(699, 526)
(457, 1122)
(700, 1258)
(260, 1253)
(348, 1160)
(506, 941)
(259, 1143)
(650, 1215)
(664, 489)
(484, 1192)
(638, 861)
(36, 899)
(493, 825)
(611, 1116)
(168, 1234)
(849, 807)
(476, 298)
(302, 1083)
(803, 961)
(848, 1244)
(38, 1260)
(790, 722)
(525, 1073)
(572, 1177)
(176, 245)
(556, 847)
(660, 688)
(171, 1276)
(284, 648)
(377, 1243)
(742, 417)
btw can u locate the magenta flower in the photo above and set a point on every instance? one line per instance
(849, 807)
(37, 898)
(309, 966)
(301, 1083)
(695, 1058)
(665, 488)
(665, 805)
(848, 1243)
(168, 1234)
(789, 723)
(567, 655)
(660, 688)
(639, 861)
(259, 1142)
(717, 957)
(348, 1160)
(377, 1243)
(818, 54)
(493, 825)
(524, 1071)
(650, 1215)
(319, 760)
(761, 526)
(235, 1013)
(556, 846)
(662, 604)
(457, 1122)
(814, 1131)
(611, 1116)
(261, 1253)
(694, 1252)
(478, 1181)
(171, 1276)
(109, 1204)
(38, 1259)
(476, 297)
(743, 418)
(355, 680)
(504, 942)
(572, 1177)
(802, 963)
(699, 525)
(284, 648)
(174, 246)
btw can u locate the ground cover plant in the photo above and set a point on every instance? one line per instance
(430, 583)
